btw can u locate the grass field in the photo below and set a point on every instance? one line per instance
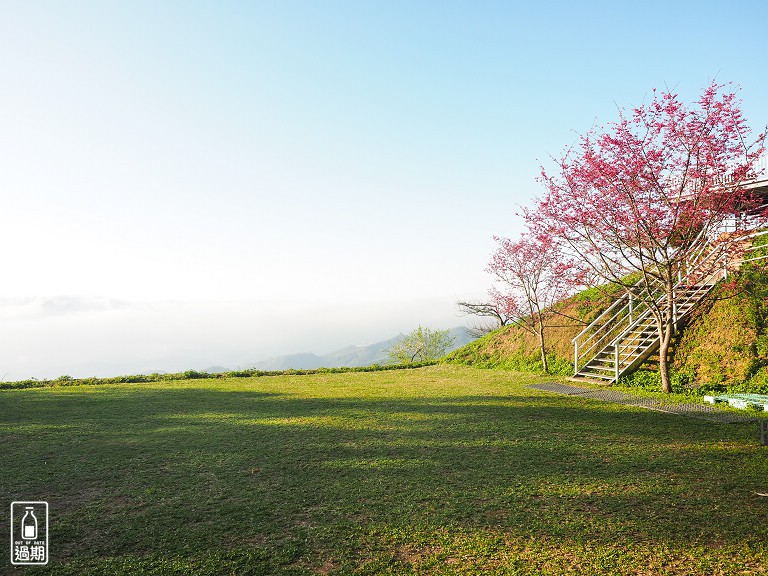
(440, 470)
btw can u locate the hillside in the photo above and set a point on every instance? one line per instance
(723, 345)
(513, 348)
(726, 342)
(350, 356)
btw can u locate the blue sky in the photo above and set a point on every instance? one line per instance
(197, 183)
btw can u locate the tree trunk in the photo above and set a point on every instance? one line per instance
(666, 384)
(665, 339)
(542, 347)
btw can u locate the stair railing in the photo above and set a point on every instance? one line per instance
(620, 314)
(689, 289)
(626, 313)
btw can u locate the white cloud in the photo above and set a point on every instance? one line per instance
(47, 306)
(95, 336)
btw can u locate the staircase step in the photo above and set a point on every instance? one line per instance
(601, 369)
(587, 374)
(642, 336)
(638, 335)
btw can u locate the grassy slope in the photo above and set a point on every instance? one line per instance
(440, 470)
(725, 344)
(513, 348)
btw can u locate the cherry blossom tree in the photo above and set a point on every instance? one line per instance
(533, 278)
(648, 194)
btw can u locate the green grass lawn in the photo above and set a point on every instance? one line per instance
(440, 470)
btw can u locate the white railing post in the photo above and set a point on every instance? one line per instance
(631, 302)
(616, 348)
(674, 313)
(575, 357)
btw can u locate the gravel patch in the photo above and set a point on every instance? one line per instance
(701, 411)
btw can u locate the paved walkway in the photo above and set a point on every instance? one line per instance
(702, 411)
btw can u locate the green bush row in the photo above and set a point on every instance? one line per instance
(684, 383)
(194, 375)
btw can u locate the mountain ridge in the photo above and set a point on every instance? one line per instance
(348, 357)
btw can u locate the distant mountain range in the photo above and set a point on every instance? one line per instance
(349, 356)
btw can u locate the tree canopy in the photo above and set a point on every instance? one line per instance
(420, 345)
(646, 195)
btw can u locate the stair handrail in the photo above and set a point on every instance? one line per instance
(753, 248)
(602, 327)
(611, 307)
(620, 349)
(710, 254)
(597, 325)
(715, 252)
(681, 283)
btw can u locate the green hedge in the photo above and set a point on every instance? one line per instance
(194, 375)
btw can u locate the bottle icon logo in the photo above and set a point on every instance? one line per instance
(29, 533)
(29, 524)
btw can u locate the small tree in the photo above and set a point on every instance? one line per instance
(648, 194)
(421, 345)
(535, 278)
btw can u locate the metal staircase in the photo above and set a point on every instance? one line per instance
(625, 335)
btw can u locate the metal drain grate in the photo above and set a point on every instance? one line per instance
(701, 411)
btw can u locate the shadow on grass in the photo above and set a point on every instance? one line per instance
(191, 469)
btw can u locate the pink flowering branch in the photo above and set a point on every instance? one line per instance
(534, 278)
(646, 194)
